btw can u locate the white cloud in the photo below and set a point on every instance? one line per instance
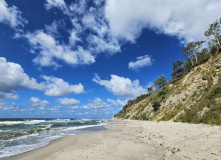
(84, 18)
(49, 51)
(11, 15)
(85, 107)
(55, 3)
(121, 87)
(99, 45)
(142, 61)
(72, 108)
(55, 108)
(78, 7)
(97, 103)
(117, 102)
(36, 102)
(2, 103)
(108, 23)
(53, 28)
(68, 101)
(74, 38)
(14, 78)
(185, 19)
(9, 95)
(58, 87)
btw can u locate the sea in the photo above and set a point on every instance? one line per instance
(21, 135)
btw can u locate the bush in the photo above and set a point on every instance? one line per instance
(163, 92)
(208, 75)
(214, 92)
(213, 50)
(156, 105)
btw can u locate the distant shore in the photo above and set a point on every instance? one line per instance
(133, 140)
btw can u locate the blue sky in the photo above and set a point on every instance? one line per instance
(86, 59)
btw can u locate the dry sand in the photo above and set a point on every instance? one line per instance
(135, 140)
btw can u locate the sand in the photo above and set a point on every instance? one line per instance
(135, 140)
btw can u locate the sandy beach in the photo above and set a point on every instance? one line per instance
(135, 140)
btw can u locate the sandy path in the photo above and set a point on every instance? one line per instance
(136, 140)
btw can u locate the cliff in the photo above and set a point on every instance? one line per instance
(194, 98)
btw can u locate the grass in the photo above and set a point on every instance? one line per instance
(169, 115)
(209, 74)
(175, 150)
(210, 100)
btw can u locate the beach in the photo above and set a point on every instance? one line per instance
(134, 140)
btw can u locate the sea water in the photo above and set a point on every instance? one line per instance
(21, 135)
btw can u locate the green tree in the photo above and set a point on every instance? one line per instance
(150, 90)
(191, 50)
(187, 66)
(213, 34)
(160, 81)
(204, 56)
(178, 69)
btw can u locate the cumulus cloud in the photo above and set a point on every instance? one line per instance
(117, 102)
(11, 15)
(142, 61)
(121, 87)
(14, 78)
(84, 18)
(187, 19)
(97, 103)
(58, 87)
(111, 23)
(49, 51)
(36, 102)
(68, 101)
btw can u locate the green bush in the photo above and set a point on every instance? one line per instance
(156, 105)
(214, 92)
(208, 75)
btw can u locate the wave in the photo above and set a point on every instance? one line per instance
(23, 133)
(20, 136)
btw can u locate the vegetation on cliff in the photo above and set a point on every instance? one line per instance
(193, 94)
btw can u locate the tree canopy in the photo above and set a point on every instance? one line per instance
(160, 81)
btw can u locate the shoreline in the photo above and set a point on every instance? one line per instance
(86, 130)
(131, 139)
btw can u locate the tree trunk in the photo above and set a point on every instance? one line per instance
(218, 41)
(191, 60)
(196, 57)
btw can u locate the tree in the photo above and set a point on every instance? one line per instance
(213, 34)
(177, 69)
(150, 90)
(204, 56)
(187, 66)
(160, 81)
(191, 50)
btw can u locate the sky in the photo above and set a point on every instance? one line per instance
(87, 58)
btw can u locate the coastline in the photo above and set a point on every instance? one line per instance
(130, 139)
(86, 130)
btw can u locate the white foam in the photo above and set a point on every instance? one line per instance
(45, 136)
(10, 122)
